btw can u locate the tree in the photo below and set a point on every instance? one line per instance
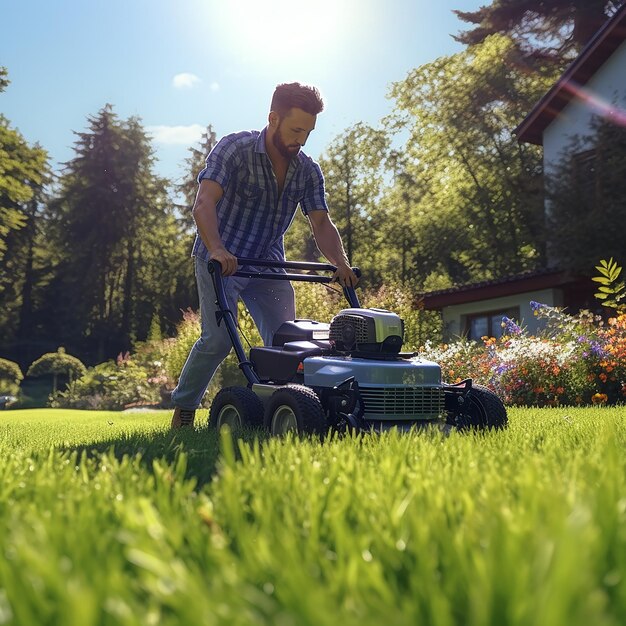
(193, 164)
(353, 167)
(24, 172)
(555, 30)
(114, 223)
(22, 168)
(471, 195)
(587, 199)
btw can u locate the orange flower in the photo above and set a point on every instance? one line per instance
(599, 398)
(560, 391)
(602, 377)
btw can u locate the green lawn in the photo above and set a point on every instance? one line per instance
(108, 518)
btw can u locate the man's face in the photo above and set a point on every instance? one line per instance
(293, 131)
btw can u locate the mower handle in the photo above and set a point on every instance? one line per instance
(215, 268)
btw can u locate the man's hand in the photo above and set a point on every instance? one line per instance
(345, 276)
(226, 260)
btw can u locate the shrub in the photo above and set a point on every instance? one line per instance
(116, 385)
(10, 377)
(57, 364)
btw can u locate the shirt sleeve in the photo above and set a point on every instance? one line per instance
(221, 161)
(315, 193)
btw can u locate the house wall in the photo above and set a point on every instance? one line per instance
(608, 86)
(454, 316)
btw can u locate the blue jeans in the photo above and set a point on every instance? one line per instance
(270, 303)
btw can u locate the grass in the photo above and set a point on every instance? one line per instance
(109, 518)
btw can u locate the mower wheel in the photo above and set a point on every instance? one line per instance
(482, 409)
(236, 407)
(295, 408)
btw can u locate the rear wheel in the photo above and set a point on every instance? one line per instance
(295, 408)
(236, 407)
(482, 409)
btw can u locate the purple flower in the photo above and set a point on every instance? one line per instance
(597, 349)
(535, 306)
(510, 327)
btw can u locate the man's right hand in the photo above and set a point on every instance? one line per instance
(226, 260)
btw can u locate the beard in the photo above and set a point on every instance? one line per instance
(289, 152)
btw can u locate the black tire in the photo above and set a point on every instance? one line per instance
(237, 407)
(481, 410)
(295, 408)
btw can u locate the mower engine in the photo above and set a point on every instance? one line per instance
(363, 331)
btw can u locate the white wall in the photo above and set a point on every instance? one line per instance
(607, 86)
(452, 315)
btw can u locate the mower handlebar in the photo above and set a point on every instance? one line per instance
(215, 268)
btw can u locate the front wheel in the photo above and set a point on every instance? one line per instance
(295, 408)
(482, 409)
(236, 407)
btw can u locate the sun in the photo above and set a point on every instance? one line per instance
(263, 31)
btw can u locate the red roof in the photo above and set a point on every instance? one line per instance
(498, 288)
(594, 54)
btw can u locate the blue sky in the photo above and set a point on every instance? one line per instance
(183, 64)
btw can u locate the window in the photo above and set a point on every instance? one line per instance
(488, 324)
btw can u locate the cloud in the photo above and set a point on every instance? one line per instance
(185, 80)
(176, 135)
(214, 86)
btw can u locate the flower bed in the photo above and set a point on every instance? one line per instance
(575, 360)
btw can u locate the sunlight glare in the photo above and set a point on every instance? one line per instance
(262, 30)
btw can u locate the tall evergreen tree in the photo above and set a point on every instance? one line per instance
(111, 208)
(548, 29)
(192, 165)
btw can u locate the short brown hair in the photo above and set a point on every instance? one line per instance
(294, 95)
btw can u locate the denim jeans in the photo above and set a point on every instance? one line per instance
(270, 303)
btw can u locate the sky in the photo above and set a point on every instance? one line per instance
(180, 65)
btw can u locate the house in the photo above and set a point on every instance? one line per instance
(594, 84)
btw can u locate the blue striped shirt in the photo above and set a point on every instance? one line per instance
(252, 217)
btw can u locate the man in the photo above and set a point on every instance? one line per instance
(248, 194)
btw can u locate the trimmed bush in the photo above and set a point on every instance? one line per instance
(10, 377)
(56, 364)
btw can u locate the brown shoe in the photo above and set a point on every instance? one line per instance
(183, 417)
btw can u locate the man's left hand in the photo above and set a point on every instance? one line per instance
(345, 276)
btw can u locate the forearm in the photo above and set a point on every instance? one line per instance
(329, 243)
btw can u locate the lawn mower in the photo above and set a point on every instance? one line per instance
(346, 375)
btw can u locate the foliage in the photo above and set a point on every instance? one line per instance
(10, 377)
(574, 360)
(24, 171)
(167, 528)
(554, 30)
(118, 238)
(353, 167)
(611, 292)
(467, 199)
(193, 164)
(22, 167)
(586, 191)
(58, 362)
(129, 381)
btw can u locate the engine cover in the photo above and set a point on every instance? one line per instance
(367, 330)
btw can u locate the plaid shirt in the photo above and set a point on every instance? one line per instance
(252, 217)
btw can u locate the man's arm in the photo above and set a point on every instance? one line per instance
(329, 242)
(205, 216)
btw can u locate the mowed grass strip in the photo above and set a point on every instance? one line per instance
(109, 518)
